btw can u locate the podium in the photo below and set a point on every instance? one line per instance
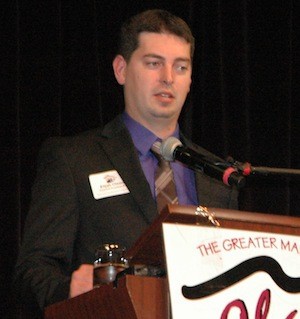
(141, 297)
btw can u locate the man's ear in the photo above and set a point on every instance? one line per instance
(119, 66)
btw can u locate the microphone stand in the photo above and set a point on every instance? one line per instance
(247, 169)
(275, 171)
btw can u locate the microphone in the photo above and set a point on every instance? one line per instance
(172, 149)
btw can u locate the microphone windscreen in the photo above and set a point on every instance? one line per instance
(168, 147)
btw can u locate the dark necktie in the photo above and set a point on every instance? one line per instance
(165, 190)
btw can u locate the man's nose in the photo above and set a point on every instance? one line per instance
(167, 77)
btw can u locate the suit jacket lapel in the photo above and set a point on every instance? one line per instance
(119, 148)
(204, 187)
(212, 192)
(205, 190)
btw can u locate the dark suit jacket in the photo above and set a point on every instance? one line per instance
(66, 224)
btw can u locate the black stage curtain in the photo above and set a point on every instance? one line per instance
(57, 79)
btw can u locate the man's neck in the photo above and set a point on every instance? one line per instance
(163, 132)
(162, 128)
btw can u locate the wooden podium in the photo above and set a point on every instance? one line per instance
(138, 297)
(135, 297)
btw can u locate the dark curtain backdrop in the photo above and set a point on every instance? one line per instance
(57, 79)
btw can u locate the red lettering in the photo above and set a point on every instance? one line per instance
(263, 305)
(292, 315)
(262, 308)
(238, 304)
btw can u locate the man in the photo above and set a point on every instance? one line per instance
(71, 212)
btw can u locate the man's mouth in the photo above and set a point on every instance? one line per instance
(165, 95)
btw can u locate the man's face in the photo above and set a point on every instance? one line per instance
(157, 79)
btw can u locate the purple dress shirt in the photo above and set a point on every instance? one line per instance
(184, 177)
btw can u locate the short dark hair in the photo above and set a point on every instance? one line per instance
(157, 21)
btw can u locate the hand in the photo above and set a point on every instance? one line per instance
(81, 280)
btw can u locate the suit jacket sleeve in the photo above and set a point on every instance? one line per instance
(45, 259)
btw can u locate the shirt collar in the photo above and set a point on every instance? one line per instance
(142, 138)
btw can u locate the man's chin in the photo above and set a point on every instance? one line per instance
(166, 112)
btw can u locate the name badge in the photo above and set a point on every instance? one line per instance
(107, 184)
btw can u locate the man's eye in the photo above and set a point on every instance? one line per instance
(153, 64)
(181, 68)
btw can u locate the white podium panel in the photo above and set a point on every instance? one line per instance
(218, 273)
